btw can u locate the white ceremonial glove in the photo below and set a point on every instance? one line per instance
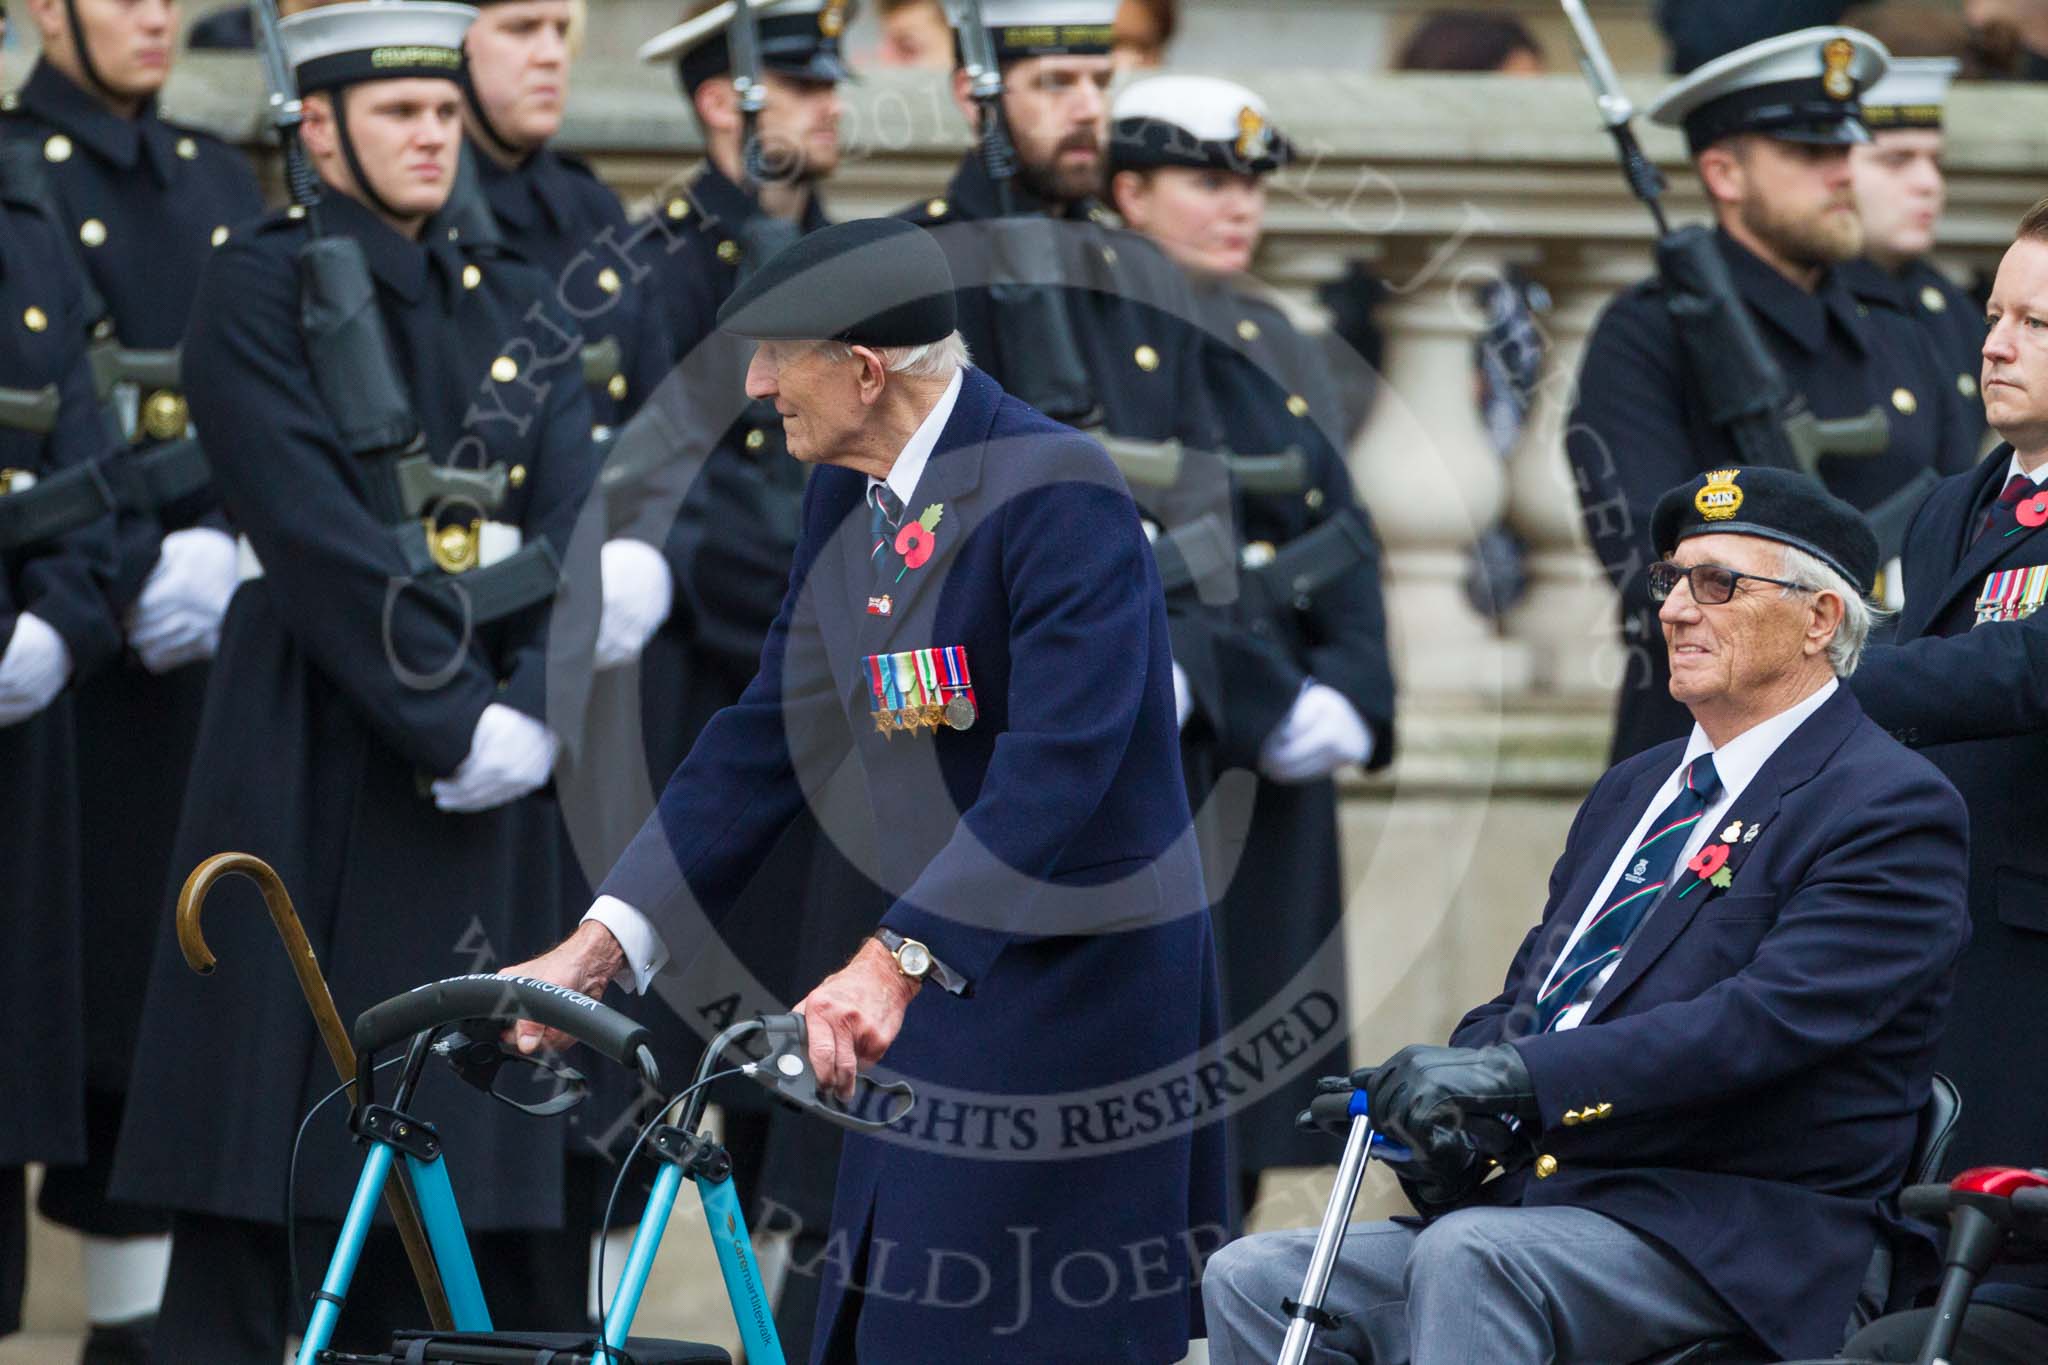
(177, 618)
(510, 755)
(1183, 698)
(34, 669)
(1321, 734)
(638, 592)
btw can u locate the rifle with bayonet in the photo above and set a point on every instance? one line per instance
(435, 513)
(1042, 359)
(763, 234)
(1742, 384)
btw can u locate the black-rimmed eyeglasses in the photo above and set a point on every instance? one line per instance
(1711, 584)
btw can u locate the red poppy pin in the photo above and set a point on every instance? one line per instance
(2033, 511)
(916, 541)
(1710, 865)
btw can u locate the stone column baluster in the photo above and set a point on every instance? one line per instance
(1424, 465)
(1568, 618)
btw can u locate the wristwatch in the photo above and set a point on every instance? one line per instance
(915, 961)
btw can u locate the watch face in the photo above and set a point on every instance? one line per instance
(914, 958)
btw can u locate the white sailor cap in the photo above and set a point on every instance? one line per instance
(1799, 87)
(1046, 28)
(1198, 121)
(1911, 94)
(374, 40)
(798, 38)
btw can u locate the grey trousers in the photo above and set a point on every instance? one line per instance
(1508, 1286)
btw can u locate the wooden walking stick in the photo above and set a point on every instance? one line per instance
(397, 1194)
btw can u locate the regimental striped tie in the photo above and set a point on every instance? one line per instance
(1645, 874)
(885, 518)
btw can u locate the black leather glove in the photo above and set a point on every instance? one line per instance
(1442, 1099)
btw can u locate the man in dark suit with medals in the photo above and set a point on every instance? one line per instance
(1706, 1069)
(56, 567)
(1960, 679)
(1770, 129)
(975, 619)
(394, 772)
(145, 203)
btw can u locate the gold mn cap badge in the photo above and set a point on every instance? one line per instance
(1254, 138)
(1836, 57)
(832, 18)
(1720, 499)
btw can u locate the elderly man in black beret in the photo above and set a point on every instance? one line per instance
(975, 620)
(1677, 1119)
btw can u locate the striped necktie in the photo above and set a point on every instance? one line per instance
(1645, 873)
(2003, 515)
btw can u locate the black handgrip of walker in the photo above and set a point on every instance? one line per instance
(2031, 1202)
(1928, 1203)
(502, 999)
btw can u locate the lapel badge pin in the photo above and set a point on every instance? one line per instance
(1733, 832)
(1750, 836)
(880, 606)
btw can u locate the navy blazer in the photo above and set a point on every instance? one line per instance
(1976, 696)
(1046, 853)
(1757, 1063)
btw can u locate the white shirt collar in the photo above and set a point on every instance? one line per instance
(1737, 761)
(2016, 468)
(909, 466)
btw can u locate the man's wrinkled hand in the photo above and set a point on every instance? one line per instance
(585, 961)
(854, 1015)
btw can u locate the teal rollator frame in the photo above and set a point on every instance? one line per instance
(479, 1007)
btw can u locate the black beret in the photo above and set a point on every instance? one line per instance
(1775, 504)
(871, 282)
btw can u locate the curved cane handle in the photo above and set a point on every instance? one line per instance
(192, 942)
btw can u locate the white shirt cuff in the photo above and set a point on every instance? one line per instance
(645, 953)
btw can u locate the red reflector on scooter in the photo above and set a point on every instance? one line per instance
(1999, 1181)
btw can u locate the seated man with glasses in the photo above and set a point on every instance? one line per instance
(1678, 1118)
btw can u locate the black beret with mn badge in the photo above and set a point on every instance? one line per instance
(1775, 504)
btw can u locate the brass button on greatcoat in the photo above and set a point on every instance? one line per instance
(187, 149)
(92, 232)
(504, 369)
(616, 387)
(729, 252)
(1546, 1166)
(472, 276)
(608, 280)
(35, 319)
(1932, 301)
(1147, 358)
(164, 414)
(220, 234)
(678, 208)
(1247, 329)
(516, 476)
(756, 439)
(936, 208)
(1297, 405)
(1905, 402)
(57, 147)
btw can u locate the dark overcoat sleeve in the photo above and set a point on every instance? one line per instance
(332, 568)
